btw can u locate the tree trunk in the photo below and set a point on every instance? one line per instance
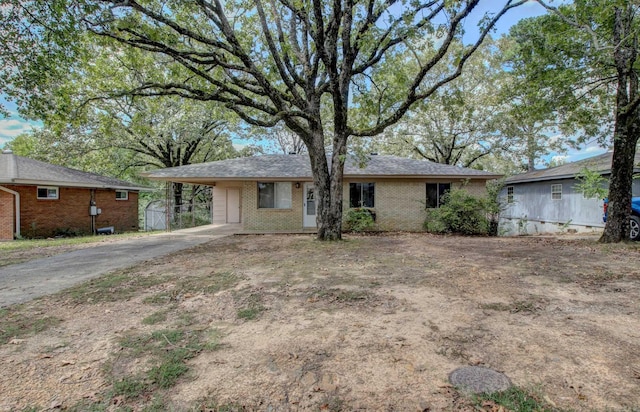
(621, 182)
(627, 127)
(177, 200)
(329, 198)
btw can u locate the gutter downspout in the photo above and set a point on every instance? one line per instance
(17, 196)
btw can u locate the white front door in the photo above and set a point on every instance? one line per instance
(309, 206)
(233, 205)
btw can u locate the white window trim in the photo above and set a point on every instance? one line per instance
(126, 195)
(511, 197)
(556, 191)
(48, 188)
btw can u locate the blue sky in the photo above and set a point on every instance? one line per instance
(14, 125)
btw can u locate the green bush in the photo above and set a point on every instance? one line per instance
(360, 219)
(460, 212)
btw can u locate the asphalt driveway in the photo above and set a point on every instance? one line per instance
(25, 281)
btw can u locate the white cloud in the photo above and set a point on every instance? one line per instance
(594, 149)
(12, 127)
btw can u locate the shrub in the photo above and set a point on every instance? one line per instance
(360, 219)
(460, 212)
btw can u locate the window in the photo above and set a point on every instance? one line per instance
(274, 195)
(122, 195)
(361, 194)
(47, 192)
(435, 192)
(556, 192)
(510, 194)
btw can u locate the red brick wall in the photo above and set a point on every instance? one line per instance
(70, 212)
(122, 214)
(7, 220)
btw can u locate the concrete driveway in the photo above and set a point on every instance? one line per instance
(25, 281)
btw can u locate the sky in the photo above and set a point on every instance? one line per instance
(14, 125)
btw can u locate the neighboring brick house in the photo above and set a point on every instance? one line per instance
(38, 199)
(275, 192)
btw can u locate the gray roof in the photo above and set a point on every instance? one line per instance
(601, 163)
(297, 167)
(21, 170)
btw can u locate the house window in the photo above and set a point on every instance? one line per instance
(435, 193)
(510, 194)
(122, 195)
(274, 195)
(362, 194)
(556, 192)
(47, 192)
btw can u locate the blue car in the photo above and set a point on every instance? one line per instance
(634, 219)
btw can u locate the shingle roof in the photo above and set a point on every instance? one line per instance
(601, 163)
(297, 167)
(21, 170)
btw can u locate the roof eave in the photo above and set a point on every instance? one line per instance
(211, 179)
(31, 182)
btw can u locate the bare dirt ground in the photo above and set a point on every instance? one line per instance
(371, 323)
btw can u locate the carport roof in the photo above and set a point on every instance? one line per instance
(20, 170)
(297, 167)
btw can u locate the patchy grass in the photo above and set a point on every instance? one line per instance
(165, 352)
(513, 399)
(28, 244)
(521, 306)
(117, 286)
(156, 317)
(15, 323)
(252, 309)
(207, 285)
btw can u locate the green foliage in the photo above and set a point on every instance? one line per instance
(155, 317)
(249, 313)
(359, 219)
(130, 387)
(458, 125)
(590, 183)
(515, 399)
(461, 213)
(168, 351)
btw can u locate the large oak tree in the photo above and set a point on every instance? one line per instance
(323, 68)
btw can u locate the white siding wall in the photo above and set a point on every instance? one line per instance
(534, 211)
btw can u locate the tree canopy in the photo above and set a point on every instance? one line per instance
(584, 57)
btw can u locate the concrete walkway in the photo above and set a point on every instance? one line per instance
(25, 281)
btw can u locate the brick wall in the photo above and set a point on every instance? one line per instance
(270, 219)
(121, 214)
(70, 212)
(7, 218)
(399, 204)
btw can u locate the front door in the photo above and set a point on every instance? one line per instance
(233, 205)
(309, 205)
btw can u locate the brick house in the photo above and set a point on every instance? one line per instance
(275, 192)
(38, 199)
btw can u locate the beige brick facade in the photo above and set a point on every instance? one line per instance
(399, 204)
(271, 219)
(7, 216)
(70, 212)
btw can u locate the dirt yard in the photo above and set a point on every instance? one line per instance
(372, 323)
